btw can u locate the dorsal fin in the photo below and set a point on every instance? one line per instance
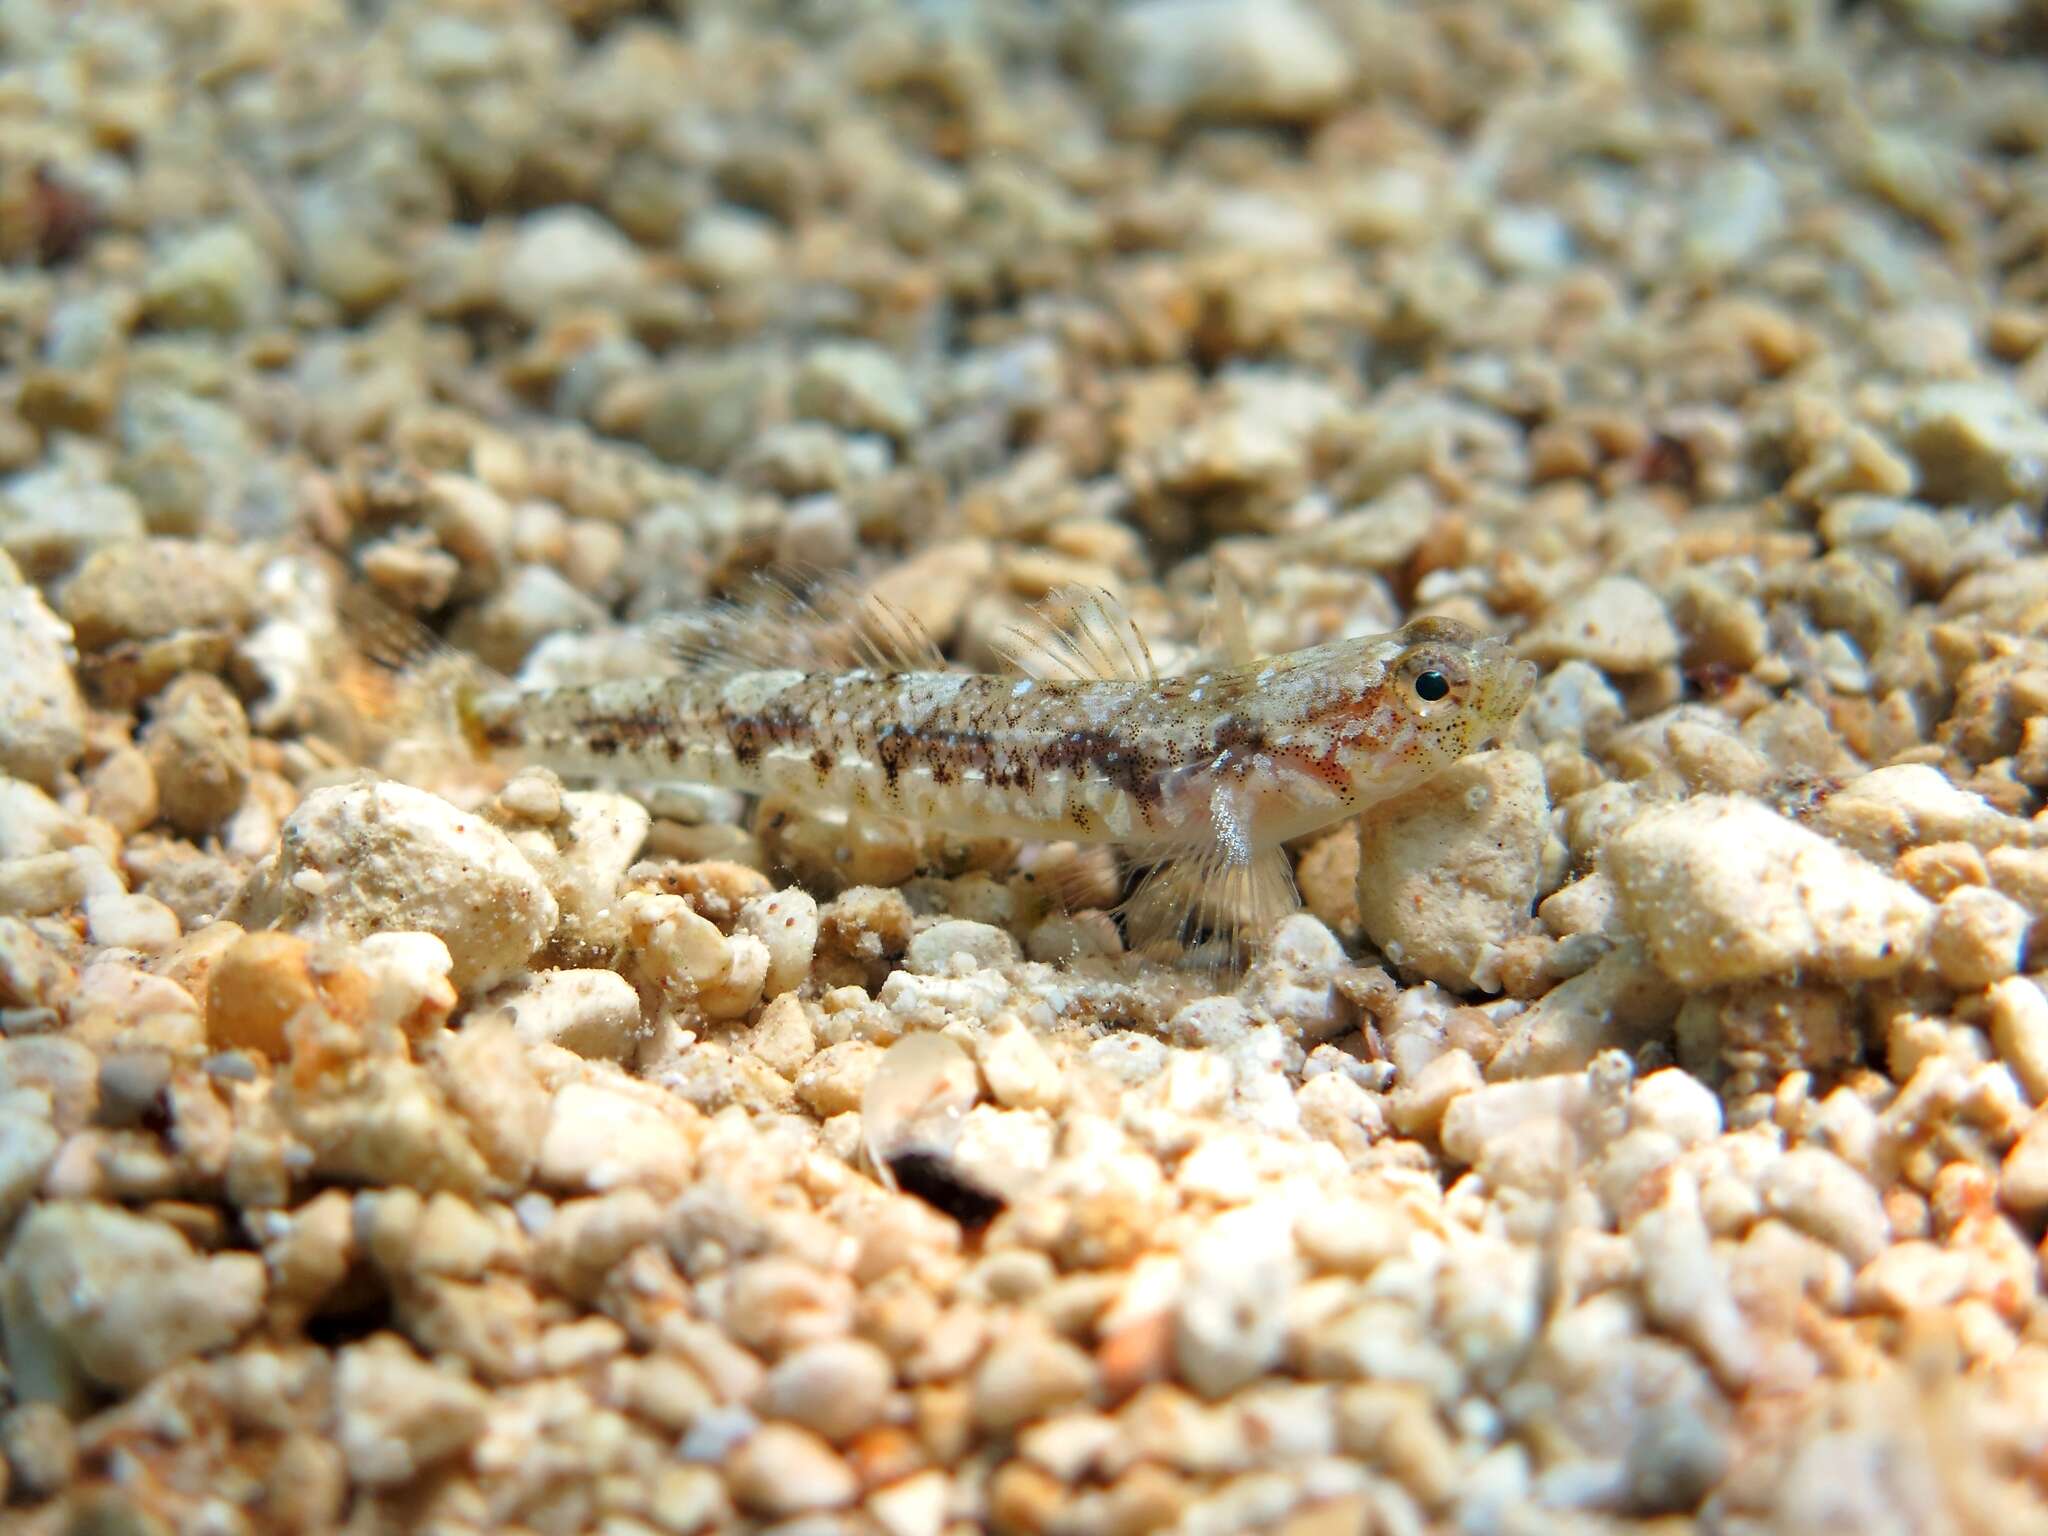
(891, 640)
(1078, 635)
(825, 626)
(399, 678)
(1230, 631)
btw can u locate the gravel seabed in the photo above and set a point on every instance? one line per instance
(1645, 1126)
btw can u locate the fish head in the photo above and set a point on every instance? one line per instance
(1381, 714)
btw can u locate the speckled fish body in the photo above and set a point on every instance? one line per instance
(1236, 760)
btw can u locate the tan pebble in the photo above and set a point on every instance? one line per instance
(913, 1506)
(1231, 1323)
(836, 1387)
(1449, 871)
(1939, 868)
(153, 588)
(685, 1500)
(1353, 1237)
(1676, 1104)
(41, 1449)
(1020, 1073)
(1780, 1028)
(715, 840)
(1721, 626)
(1713, 761)
(1530, 965)
(2019, 1033)
(130, 920)
(1884, 812)
(1328, 878)
(411, 572)
(782, 1470)
(1148, 1497)
(1593, 816)
(457, 1239)
(99, 1293)
(1824, 1197)
(56, 1068)
(1072, 938)
(121, 789)
(944, 1415)
(28, 1144)
(1417, 1108)
(867, 922)
(1396, 1426)
(395, 1414)
(1584, 906)
(198, 747)
(1911, 1276)
(833, 1081)
(2023, 1177)
(955, 947)
(1136, 1355)
(1973, 440)
(783, 1038)
(660, 1388)
(1027, 1374)
(584, 1239)
(718, 888)
(1979, 937)
(2022, 874)
(534, 795)
(1906, 1209)
(673, 942)
(493, 1323)
(1617, 624)
(32, 973)
(42, 715)
(308, 1252)
(738, 991)
(826, 850)
(1615, 1003)
(777, 1304)
(306, 1484)
(254, 988)
(885, 1454)
(1024, 1499)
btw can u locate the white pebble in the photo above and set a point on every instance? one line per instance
(786, 923)
(386, 856)
(42, 716)
(600, 1139)
(1979, 937)
(1231, 1324)
(594, 1013)
(119, 920)
(1827, 1199)
(1676, 1103)
(1721, 889)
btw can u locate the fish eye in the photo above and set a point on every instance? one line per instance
(1431, 686)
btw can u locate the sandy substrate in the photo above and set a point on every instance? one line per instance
(1641, 1128)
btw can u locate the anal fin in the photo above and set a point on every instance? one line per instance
(1207, 908)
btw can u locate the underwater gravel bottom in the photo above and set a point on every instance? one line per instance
(1639, 1127)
